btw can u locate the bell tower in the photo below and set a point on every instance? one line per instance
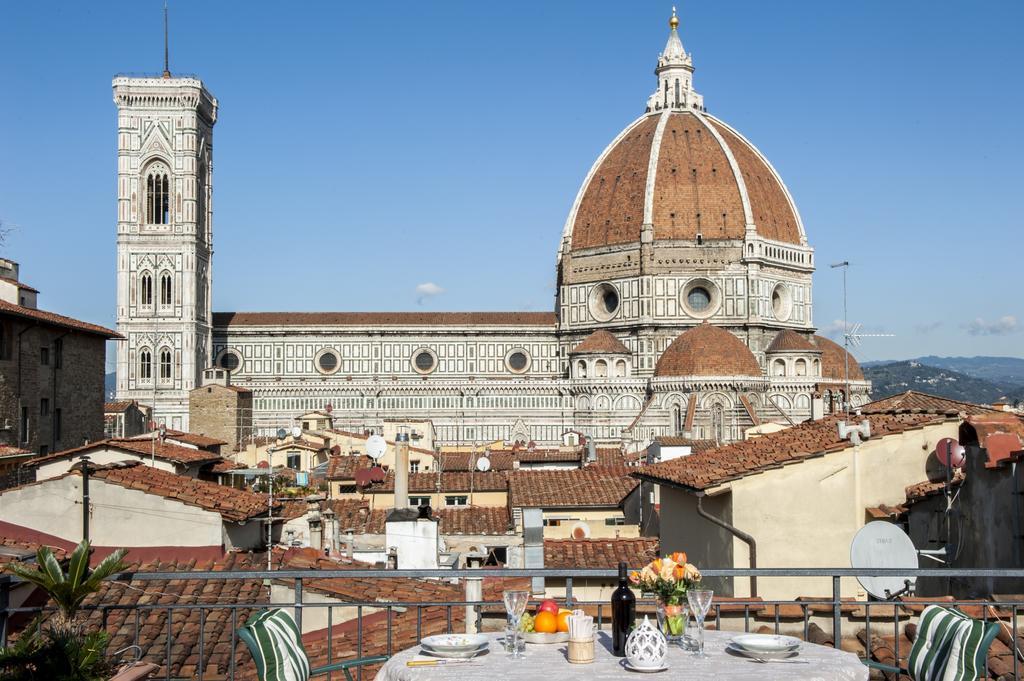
(164, 239)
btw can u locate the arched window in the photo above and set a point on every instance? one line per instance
(600, 369)
(827, 400)
(801, 367)
(581, 369)
(817, 367)
(158, 195)
(165, 288)
(145, 365)
(165, 365)
(677, 92)
(146, 289)
(677, 420)
(620, 368)
(779, 367)
(718, 423)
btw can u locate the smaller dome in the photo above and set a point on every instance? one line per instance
(707, 350)
(600, 343)
(788, 340)
(833, 363)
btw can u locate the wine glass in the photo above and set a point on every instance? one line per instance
(700, 601)
(515, 606)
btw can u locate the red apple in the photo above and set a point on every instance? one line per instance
(548, 606)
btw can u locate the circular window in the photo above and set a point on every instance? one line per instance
(517, 361)
(700, 298)
(604, 302)
(229, 360)
(424, 361)
(327, 361)
(782, 303)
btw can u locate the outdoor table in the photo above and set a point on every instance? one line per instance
(549, 662)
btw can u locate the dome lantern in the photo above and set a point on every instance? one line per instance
(675, 75)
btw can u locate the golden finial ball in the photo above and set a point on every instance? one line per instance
(674, 21)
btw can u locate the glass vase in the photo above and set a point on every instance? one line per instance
(672, 620)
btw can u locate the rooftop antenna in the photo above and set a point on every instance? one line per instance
(167, 69)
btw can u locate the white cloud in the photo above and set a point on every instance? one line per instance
(999, 327)
(834, 330)
(427, 290)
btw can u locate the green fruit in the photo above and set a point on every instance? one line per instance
(526, 623)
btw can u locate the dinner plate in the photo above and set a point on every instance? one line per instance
(777, 655)
(455, 654)
(452, 643)
(765, 643)
(544, 639)
(644, 670)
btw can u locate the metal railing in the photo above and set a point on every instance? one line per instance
(730, 612)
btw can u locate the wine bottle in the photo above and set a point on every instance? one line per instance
(623, 613)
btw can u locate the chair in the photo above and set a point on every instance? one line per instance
(276, 646)
(949, 646)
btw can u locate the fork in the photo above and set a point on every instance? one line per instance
(763, 660)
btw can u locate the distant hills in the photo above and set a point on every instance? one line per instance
(982, 380)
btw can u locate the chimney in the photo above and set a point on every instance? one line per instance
(316, 533)
(331, 528)
(533, 544)
(401, 470)
(350, 545)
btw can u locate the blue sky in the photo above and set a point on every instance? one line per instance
(364, 150)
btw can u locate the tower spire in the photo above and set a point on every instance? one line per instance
(167, 69)
(675, 75)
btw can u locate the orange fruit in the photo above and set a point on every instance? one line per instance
(545, 623)
(563, 620)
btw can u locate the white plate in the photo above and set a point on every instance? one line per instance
(455, 654)
(644, 670)
(452, 643)
(545, 639)
(766, 643)
(778, 655)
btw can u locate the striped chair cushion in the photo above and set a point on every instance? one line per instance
(949, 646)
(278, 646)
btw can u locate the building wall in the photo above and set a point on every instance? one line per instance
(71, 383)
(812, 528)
(220, 412)
(387, 499)
(52, 469)
(594, 520)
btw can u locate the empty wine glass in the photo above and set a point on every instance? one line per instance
(515, 606)
(700, 601)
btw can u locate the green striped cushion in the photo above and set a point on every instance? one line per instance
(968, 653)
(278, 646)
(935, 633)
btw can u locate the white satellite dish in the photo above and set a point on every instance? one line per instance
(483, 464)
(281, 433)
(296, 432)
(375, 447)
(883, 545)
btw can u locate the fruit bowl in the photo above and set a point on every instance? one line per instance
(538, 638)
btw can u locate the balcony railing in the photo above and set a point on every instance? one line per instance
(805, 616)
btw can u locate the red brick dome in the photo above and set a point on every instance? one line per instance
(833, 362)
(707, 350)
(685, 173)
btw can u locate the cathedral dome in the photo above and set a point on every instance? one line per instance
(833, 362)
(687, 175)
(707, 350)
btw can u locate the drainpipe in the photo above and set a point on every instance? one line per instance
(736, 532)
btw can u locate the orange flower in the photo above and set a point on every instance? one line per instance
(679, 573)
(656, 564)
(634, 577)
(679, 557)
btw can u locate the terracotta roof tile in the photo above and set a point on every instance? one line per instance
(599, 553)
(455, 520)
(117, 407)
(223, 319)
(694, 445)
(928, 488)
(55, 319)
(9, 450)
(912, 402)
(705, 469)
(12, 550)
(707, 350)
(466, 461)
(165, 451)
(833, 362)
(600, 342)
(344, 467)
(491, 481)
(19, 284)
(601, 486)
(788, 340)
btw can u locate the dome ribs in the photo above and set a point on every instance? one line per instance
(773, 214)
(707, 350)
(612, 208)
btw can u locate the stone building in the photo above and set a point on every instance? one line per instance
(125, 419)
(51, 372)
(220, 410)
(684, 302)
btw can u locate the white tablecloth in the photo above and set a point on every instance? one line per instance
(549, 662)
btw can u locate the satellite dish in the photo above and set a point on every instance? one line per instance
(483, 464)
(580, 531)
(296, 432)
(377, 474)
(950, 453)
(336, 450)
(375, 447)
(281, 433)
(883, 545)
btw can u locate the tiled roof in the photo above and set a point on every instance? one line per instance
(8, 450)
(833, 362)
(454, 520)
(55, 319)
(913, 401)
(707, 350)
(705, 469)
(222, 466)
(19, 284)
(351, 514)
(922, 490)
(491, 481)
(601, 486)
(364, 436)
(600, 342)
(789, 340)
(344, 467)
(165, 451)
(679, 441)
(232, 504)
(12, 550)
(192, 438)
(117, 407)
(223, 319)
(599, 553)
(466, 461)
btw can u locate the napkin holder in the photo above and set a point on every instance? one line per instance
(582, 651)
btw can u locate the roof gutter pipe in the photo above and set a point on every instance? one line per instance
(736, 532)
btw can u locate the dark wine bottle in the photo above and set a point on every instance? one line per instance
(623, 613)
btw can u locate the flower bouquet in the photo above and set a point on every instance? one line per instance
(669, 579)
